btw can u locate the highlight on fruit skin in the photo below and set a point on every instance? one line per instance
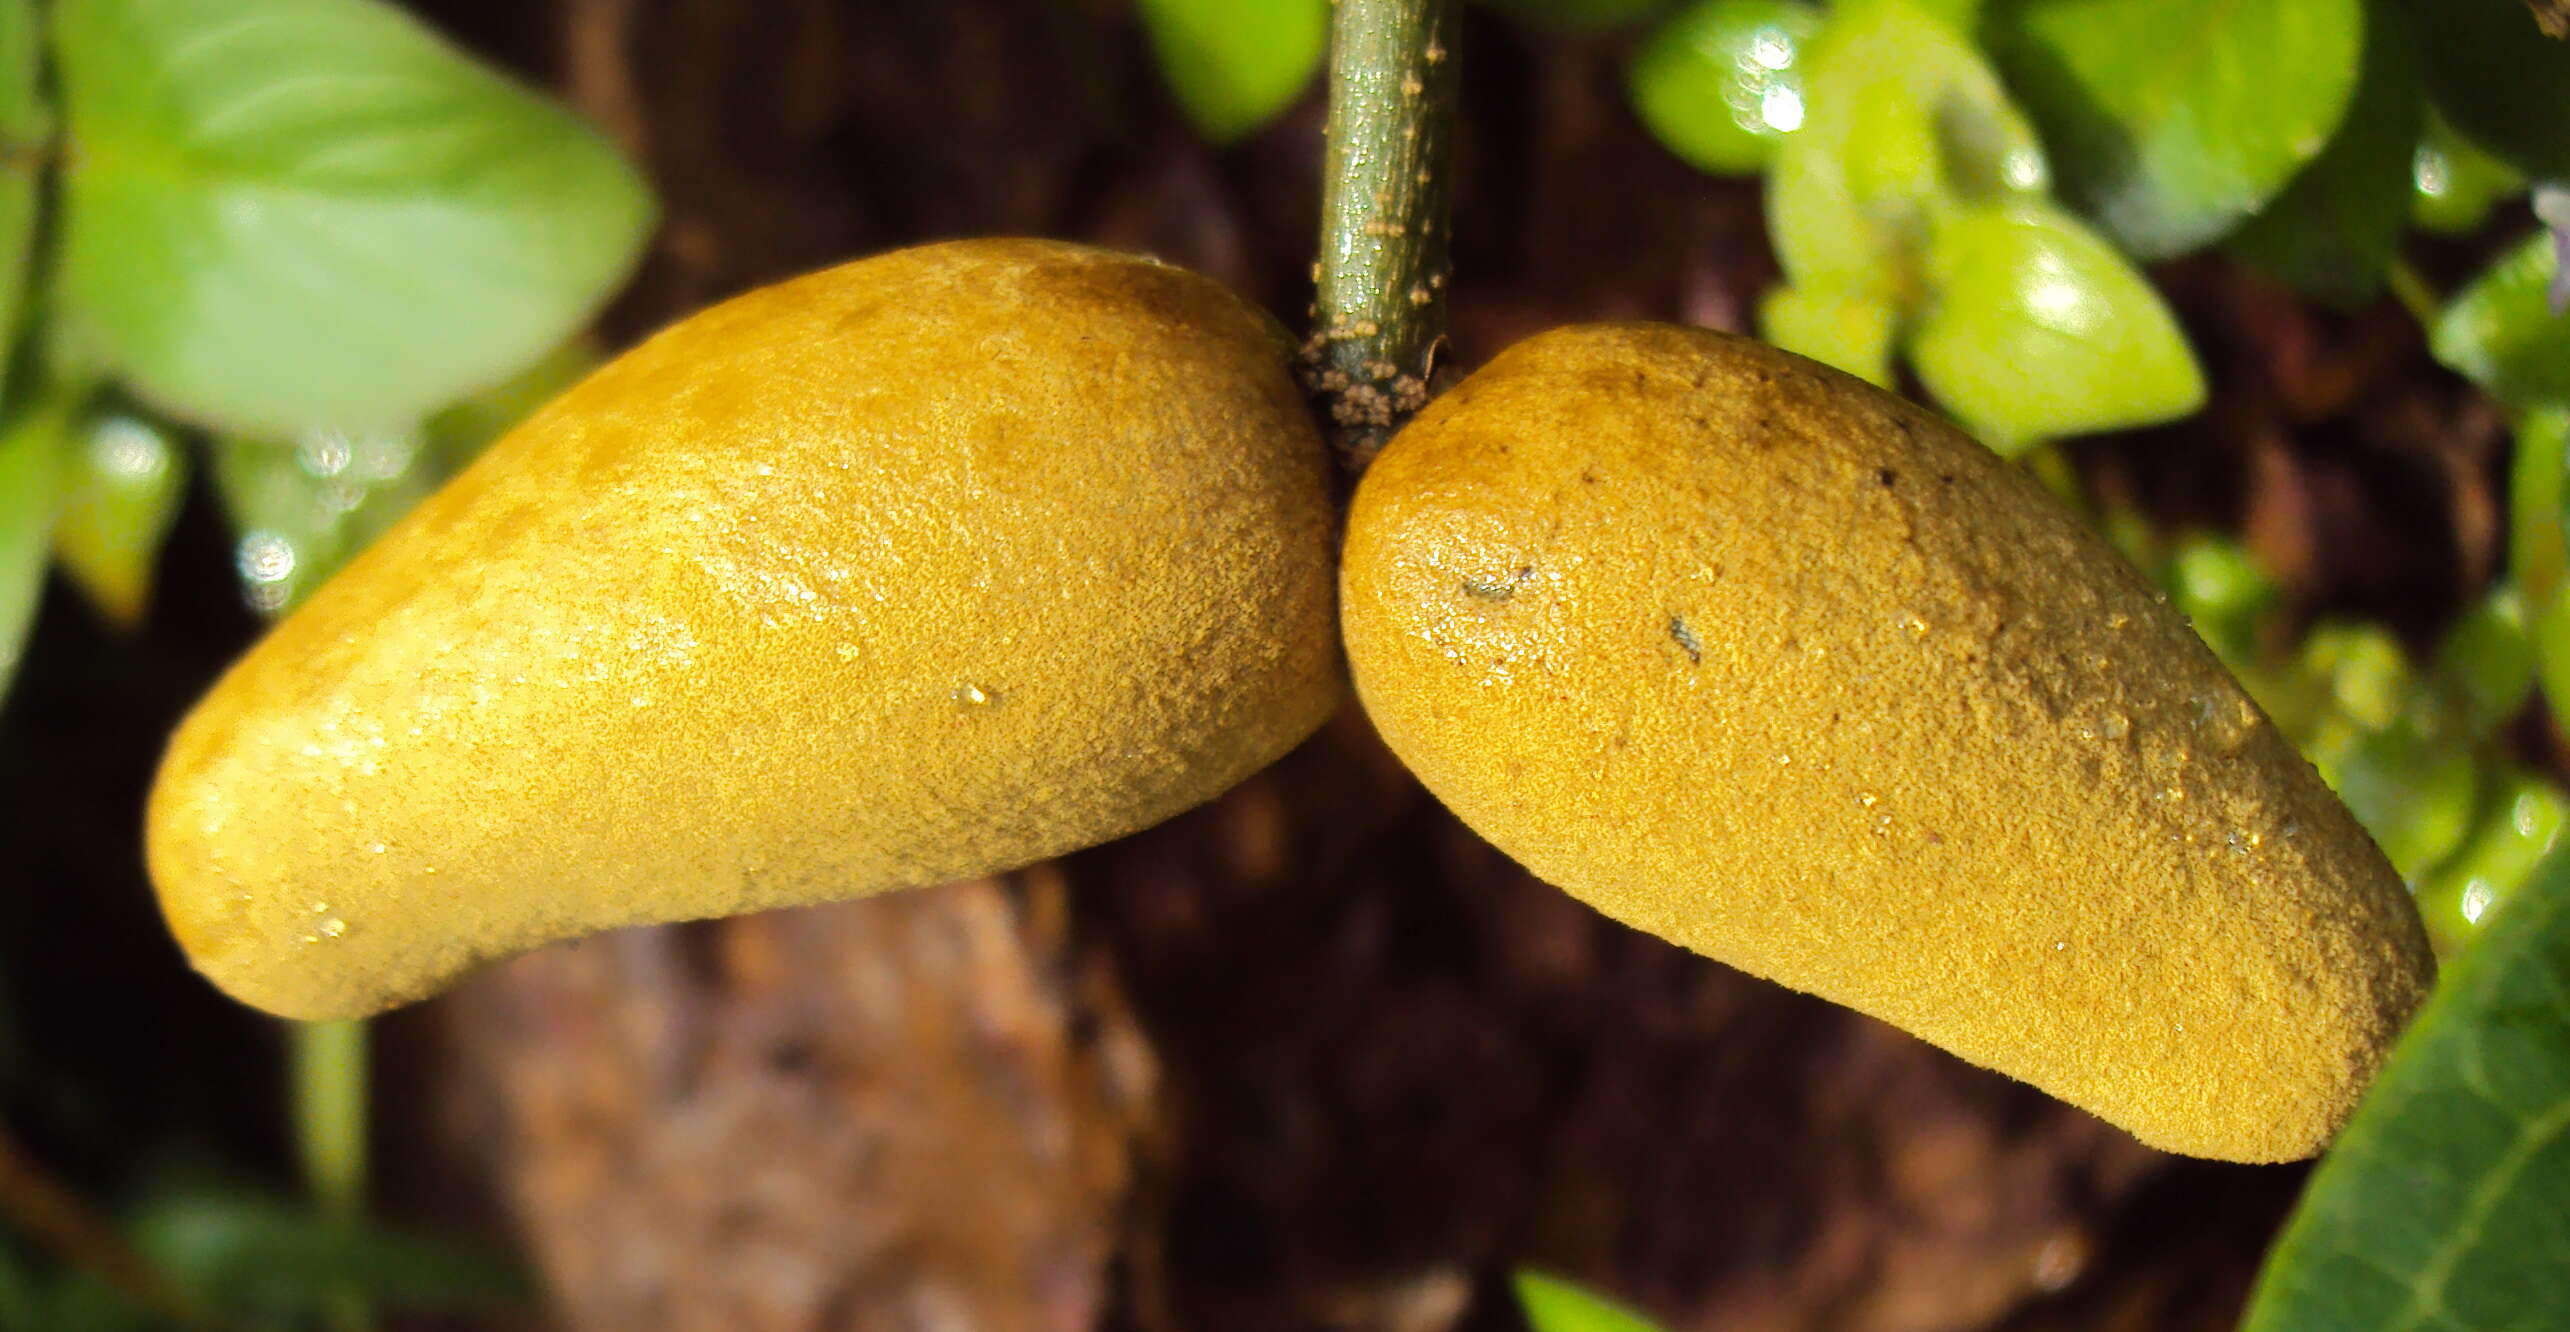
(1751, 655)
(914, 569)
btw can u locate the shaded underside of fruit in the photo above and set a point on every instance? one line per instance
(1751, 655)
(913, 569)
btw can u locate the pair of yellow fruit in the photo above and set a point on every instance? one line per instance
(961, 557)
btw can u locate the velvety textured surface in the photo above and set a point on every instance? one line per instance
(914, 569)
(1751, 655)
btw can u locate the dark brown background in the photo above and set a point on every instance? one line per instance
(1311, 1057)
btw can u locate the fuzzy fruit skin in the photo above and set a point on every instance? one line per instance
(919, 568)
(1747, 653)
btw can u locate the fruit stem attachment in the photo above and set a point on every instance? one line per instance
(1385, 212)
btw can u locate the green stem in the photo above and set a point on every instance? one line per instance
(330, 1134)
(1384, 216)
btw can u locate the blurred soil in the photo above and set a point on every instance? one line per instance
(1311, 1057)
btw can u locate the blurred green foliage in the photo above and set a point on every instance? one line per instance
(1236, 64)
(1555, 1305)
(243, 1261)
(280, 241)
(310, 252)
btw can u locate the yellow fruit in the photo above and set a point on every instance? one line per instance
(918, 568)
(1753, 656)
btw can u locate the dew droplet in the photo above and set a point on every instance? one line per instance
(2114, 726)
(321, 908)
(333, 928)
(972, 695)
(2476, 900)
(1867, 799)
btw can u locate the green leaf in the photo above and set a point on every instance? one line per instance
(1582, 15)
(2485, 666)
(2220, 588)
(254, 1256)
(22, 1296)
(2333, 232)
(1236, 64)
(1851, 332)
(1555, 1305)
(80, 1302)
(2502, 333)
(2454, 184)
(1903, 121)
(32, 445)
(2499, 80)
(2552, 650)
(2415, 792)
(302, 509)
(125, 481)
(1721, 83)
(2361, 671)
(2038, 329)
(25, 125)
(2517, 828)
(457, 435)
(2172, 120)
(285, 215)
(2441, 1205)
(2538, 544)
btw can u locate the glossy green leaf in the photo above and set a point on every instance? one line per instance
(302, 509)
(1721, 82)
(254, 1257)
(2538, 474)
(2502, 332)
(2485, 666)
(284, 215)
(2441, 1206)
(1582, 15)
(1555, 1305)
(1851, 332)
(1236, 64)
(2453, 183)
(2499, 80)
(2518, 826)
(1903, 121)
(32, 448)
(2038, 329)
(2334, 229)
(124, 482)
(2172, 120)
